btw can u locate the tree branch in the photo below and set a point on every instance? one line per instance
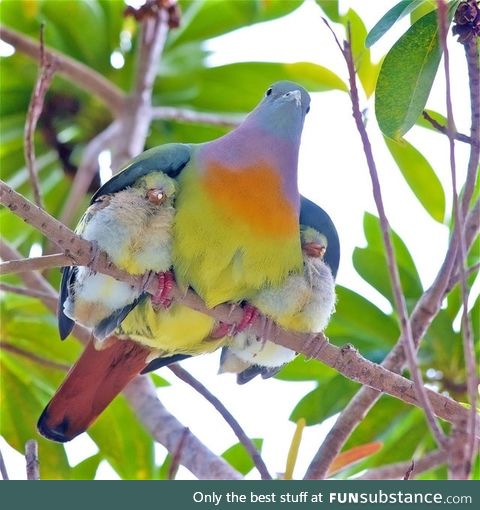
(33, 357)
(31, 458)
(228, 417)
(3, 468)
(200, 459)
(443, 129)
(46, 71)
(397, 471)
(399, 298)
(185, 115)
(167, 430)
(75, 71)
(468, 447)
(35, 263)
(346, 360)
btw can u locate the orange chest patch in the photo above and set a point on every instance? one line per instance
(254, 195)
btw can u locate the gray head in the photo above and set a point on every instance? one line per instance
(282, 110)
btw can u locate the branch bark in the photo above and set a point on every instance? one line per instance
(397, 471)
(345, 360)
(31, 458)
(200, 460)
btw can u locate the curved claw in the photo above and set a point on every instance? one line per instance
(165, 282)
(250, 313)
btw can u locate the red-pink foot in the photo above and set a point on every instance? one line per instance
(250, 313)
(165, 282)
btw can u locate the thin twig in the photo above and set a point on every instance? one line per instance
(185, 115)
(6, 346)
(3, 468)
(227, 416)
(73, 70)
(31, 458)
(399, 298)
(345, 360)
(409, 471)
(443, 129)
(468, 346)
(35, 263)
(294, 449)
(47, 67)
(23, 291)
(177, 455)
(399, 470)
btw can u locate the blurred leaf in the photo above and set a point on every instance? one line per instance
(22, 400)
(238, 457)
(366, 70)
(422, 122)
(163, 471)
(420, 176)
(326, 400)
(361, 323)
(353, 455)
(159, 382)
(371, 263)
(225, 89)
(330, 8)
(423, 9)
(206, 19)
(396, 13)
(302, 369)
(406, 77)
(86, 469)
(117, 446)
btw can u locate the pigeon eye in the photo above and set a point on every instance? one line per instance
(308, 109)
(268, 92)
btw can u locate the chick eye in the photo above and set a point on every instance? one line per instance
(268, 92)
(308, 109)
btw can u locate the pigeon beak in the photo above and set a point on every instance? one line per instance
(294, 95)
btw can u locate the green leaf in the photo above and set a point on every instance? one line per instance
(225, 89)
(361, 323)
(423, 9)
(330, 8)
(86, 469)
(420, 176)
(371, 263)
(159, 382)
(206, 19)
(124, 442)
(239, 458)
(422, 122)
(387, 21)
(406, 77)
(22, 400)
(326, 400)
(302, 369)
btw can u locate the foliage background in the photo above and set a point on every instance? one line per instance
(191, 76)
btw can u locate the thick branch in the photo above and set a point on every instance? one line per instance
(200, 460)
(347, 360)
(167, 430)
(73, 70)
(228, 417)
(397, 471)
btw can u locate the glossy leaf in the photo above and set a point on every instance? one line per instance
(387, 21)
(371, 262)
(326, 400)
(238, 457)
(420, 176)
(406, 77)
(423, 9)
(302, 369)
(206, 19)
